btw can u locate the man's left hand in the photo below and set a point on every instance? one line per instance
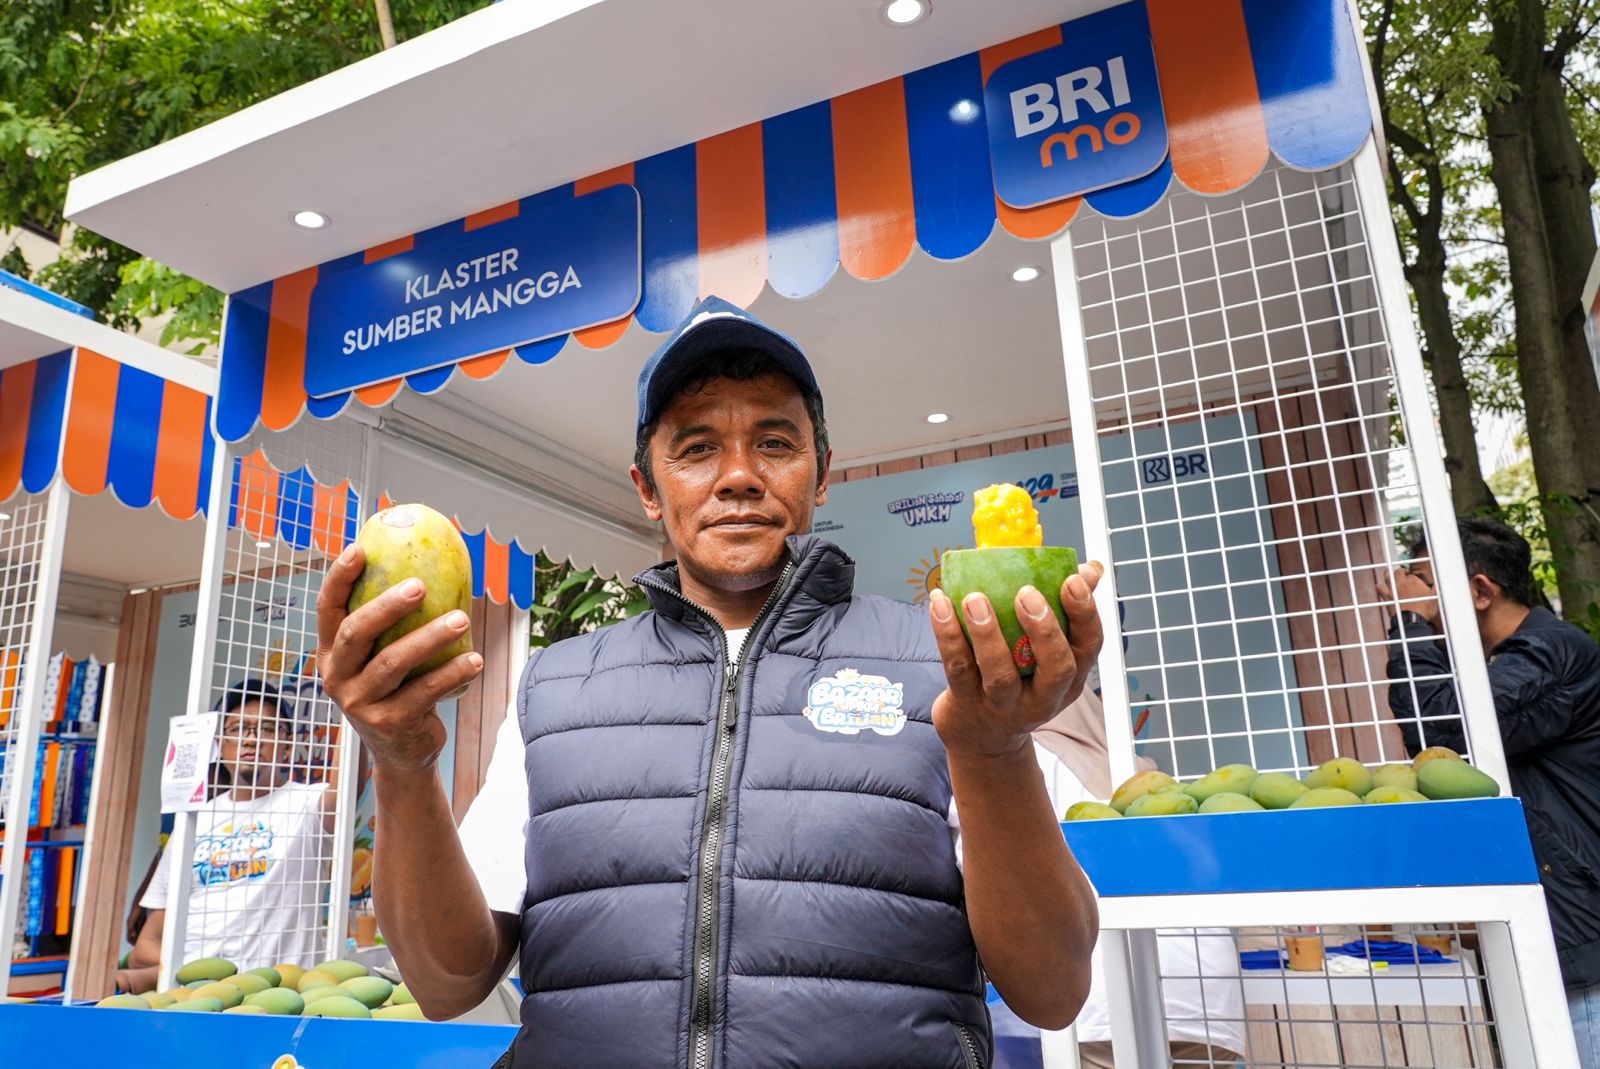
(1415, 594)
(989, 710)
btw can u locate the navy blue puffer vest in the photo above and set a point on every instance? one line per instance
(750, 870)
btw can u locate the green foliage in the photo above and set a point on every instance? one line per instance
(574, 601)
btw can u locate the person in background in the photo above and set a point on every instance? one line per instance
(261, 852)
(1544, 675)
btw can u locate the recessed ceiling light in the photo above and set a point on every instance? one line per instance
(4, 516)
(310, 220)
(964, 111)
(937, 417)
(1025, 274)
(905, 12)
(263, 545)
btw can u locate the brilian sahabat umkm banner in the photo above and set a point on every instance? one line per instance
(556, 267)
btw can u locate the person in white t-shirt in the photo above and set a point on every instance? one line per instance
(261, 855)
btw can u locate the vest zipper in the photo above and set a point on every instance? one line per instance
(705, 917)
(969, 1047)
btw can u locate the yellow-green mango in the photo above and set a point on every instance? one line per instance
(1228, 802)
(158, 1000)
(1162, 804)
(289, 975)
(124, 1002)
(370, 991)
(1391, 795)
(1140, 784)
(249, 983)
(402, 995)
(205, 969)
(1434, 753)
(401, 1011)
(317, 994)
(179, 994)
(1080, 811)
(1321, 797)
(1277, 790)
(316, 978)
(413, 541)
(197, 1005)
(1229, 779)
(229, 995)
(272, 976)
(280, 1001)
(256, 1011)
(999, 572)
(342, 1006)
(1395, 776)
(195, 984)
(342, 970)
(1446, 779)
(1343, 772)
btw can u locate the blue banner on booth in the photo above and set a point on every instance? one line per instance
(463, 293)
(1078, 117)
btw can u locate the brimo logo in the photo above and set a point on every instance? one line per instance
(1036, 108)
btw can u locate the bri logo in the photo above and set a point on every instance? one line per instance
(848, 703)
(1079, 117)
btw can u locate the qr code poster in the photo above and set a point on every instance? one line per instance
(186, 769)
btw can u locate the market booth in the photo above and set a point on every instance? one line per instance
(1136, 258)
(105, 465)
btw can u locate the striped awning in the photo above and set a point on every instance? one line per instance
(305, 514)
(857, 182)
(101, 424)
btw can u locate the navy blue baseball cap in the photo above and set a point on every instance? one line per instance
(712, 327)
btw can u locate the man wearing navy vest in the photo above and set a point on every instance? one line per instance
(723, 833)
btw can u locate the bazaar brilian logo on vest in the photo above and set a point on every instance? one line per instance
(848, 703)
(1079, 117)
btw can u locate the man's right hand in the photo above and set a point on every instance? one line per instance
(396, 718)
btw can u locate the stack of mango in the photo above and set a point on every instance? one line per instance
(1437, 774)
(333, 989)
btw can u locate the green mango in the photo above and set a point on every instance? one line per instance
(317, 978)
(1277, 790)
(158, 1000)
(370, 991)
(1322, 797)
(1162, 804)
(1446, 779)
(196, 1005)
(342, 970)
(249, 983)
(193, 985)
(317, 994)
(205, 969)
(247, 1009)
(413, 541)
(280, 1001)
(228, 994)
(1090, 811)
(343, 1006)
(272, 976)
(400, 1011)
(999, 573)
(1343, 772)
(1434, 753)
(1391, 795)
(402, 996)
(1140, 784)
(1394, 776)
(1227, 802)
(124, 1002)
(1229, 779)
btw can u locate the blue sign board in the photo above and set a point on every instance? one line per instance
(1078, 117)
(458, 294)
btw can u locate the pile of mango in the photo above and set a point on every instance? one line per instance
(333, 989)
(1437, 774)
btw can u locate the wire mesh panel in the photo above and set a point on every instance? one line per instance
(1243, 389)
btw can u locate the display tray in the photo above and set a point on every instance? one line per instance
(1481, 842)
(154, 1039)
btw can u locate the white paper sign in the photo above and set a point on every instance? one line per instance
(191, 743)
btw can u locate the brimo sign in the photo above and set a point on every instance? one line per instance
(1079, 117)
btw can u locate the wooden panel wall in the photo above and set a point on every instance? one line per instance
(482, 708)
(951, 456)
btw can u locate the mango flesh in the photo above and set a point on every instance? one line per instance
(415, 542)
(370, 991)
(1388, 795)
(1162, 804)
(316, 978)
(402, 996)
(289, 975)
(343, 1006)
(207, 969)
(123, 1002)
(1395, 776)
(1078, 811)
(1343, 772)
(228, 994)
(1229, 779)
(1277, 790)
(271, 976)
(248, 983)
(1445, 779)
(279, 1001)
(1434, 753)
(1322, 797)
(1140, 784)
(1227, 802)
(197, 1005)
(999, 574)
(342, 970)
(400, 1011)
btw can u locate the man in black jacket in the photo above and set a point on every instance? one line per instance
(1545, 676)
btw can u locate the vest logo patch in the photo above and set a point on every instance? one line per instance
(848, 703)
